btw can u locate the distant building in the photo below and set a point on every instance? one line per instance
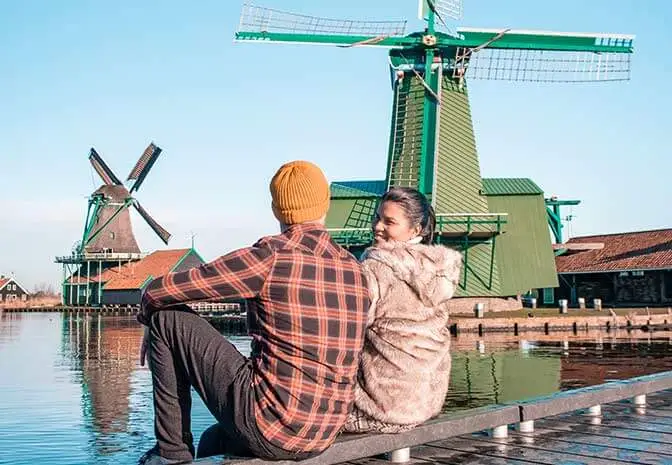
(627, 269)
(123, 284)
(11, 290)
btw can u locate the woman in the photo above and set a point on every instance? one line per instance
(405, 364)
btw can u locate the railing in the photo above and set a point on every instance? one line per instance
(215, 307)
(470, 223)
(351, 237)
(102, 256)
(462, 224)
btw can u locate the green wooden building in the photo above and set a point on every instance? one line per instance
(507, 248)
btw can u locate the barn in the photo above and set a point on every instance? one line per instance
(625, 269)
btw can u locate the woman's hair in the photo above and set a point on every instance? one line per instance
(417, 208)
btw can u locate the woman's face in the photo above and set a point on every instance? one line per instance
(392, 224)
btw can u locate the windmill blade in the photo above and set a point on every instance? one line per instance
(538, 56)
(267, 24)
(543, 66)
(452, 9)
(361, 43)
(102, 169)
(160, 231)
(144, 164)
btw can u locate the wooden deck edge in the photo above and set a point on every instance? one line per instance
(559, 323)
(357, 446)
(583, 398)
(352, 446)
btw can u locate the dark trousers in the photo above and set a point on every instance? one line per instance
(186, 351)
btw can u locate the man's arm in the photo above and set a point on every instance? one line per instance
(240, 274)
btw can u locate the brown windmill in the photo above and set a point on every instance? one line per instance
(108, 226)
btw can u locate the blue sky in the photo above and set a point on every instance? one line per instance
(117, 75)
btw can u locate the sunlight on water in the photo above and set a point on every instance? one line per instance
(72, 390)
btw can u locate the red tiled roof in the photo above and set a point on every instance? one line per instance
(626, 251)
(3, 282)
(133, 275)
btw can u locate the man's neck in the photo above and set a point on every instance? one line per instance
(316, 224)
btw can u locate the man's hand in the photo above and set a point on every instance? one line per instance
(144, 348)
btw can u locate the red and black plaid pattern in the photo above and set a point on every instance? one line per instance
(307, 317)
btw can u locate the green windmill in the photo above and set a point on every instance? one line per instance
(500, 225)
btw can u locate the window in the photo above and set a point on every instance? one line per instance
(112, 235)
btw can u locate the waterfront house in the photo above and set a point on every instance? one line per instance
(11, 290)
(629, 269)
(123, 284)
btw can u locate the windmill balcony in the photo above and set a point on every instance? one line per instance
(448, 226)
(470, 225)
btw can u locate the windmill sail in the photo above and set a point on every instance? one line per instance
(260, 23)
(546, 56)
(102, 169)
(144, 164)
(446, 9)
(160, 231)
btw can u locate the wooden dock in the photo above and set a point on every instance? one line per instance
(621, 422)
(548, 321)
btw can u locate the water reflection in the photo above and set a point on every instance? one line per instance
(74, 382)
(106, 353)
(501, 367)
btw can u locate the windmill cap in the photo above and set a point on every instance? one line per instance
(300, 193)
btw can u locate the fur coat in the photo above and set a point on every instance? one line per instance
(405, 363)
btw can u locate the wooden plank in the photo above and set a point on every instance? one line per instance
(593, 395)
(547, 442)
(441, 455)
(602, 430)
(605, 439)
(502, 449)
(623, 414)
(622, 421)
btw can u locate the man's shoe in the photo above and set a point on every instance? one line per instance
(152, 457)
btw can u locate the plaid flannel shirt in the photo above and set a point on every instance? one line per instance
(307, 312)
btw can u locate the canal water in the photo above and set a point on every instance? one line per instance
(72, 390)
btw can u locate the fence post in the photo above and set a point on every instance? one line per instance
(595, 410)
(639, 400)
(399, 455)
(479, 310)
(562, 306)
(526, 426)
(499, 432)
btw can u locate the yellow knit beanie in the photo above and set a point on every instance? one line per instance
(300, 193)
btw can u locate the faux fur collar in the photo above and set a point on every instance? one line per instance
(433, 271)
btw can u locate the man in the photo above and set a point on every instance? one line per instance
(307, 307)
